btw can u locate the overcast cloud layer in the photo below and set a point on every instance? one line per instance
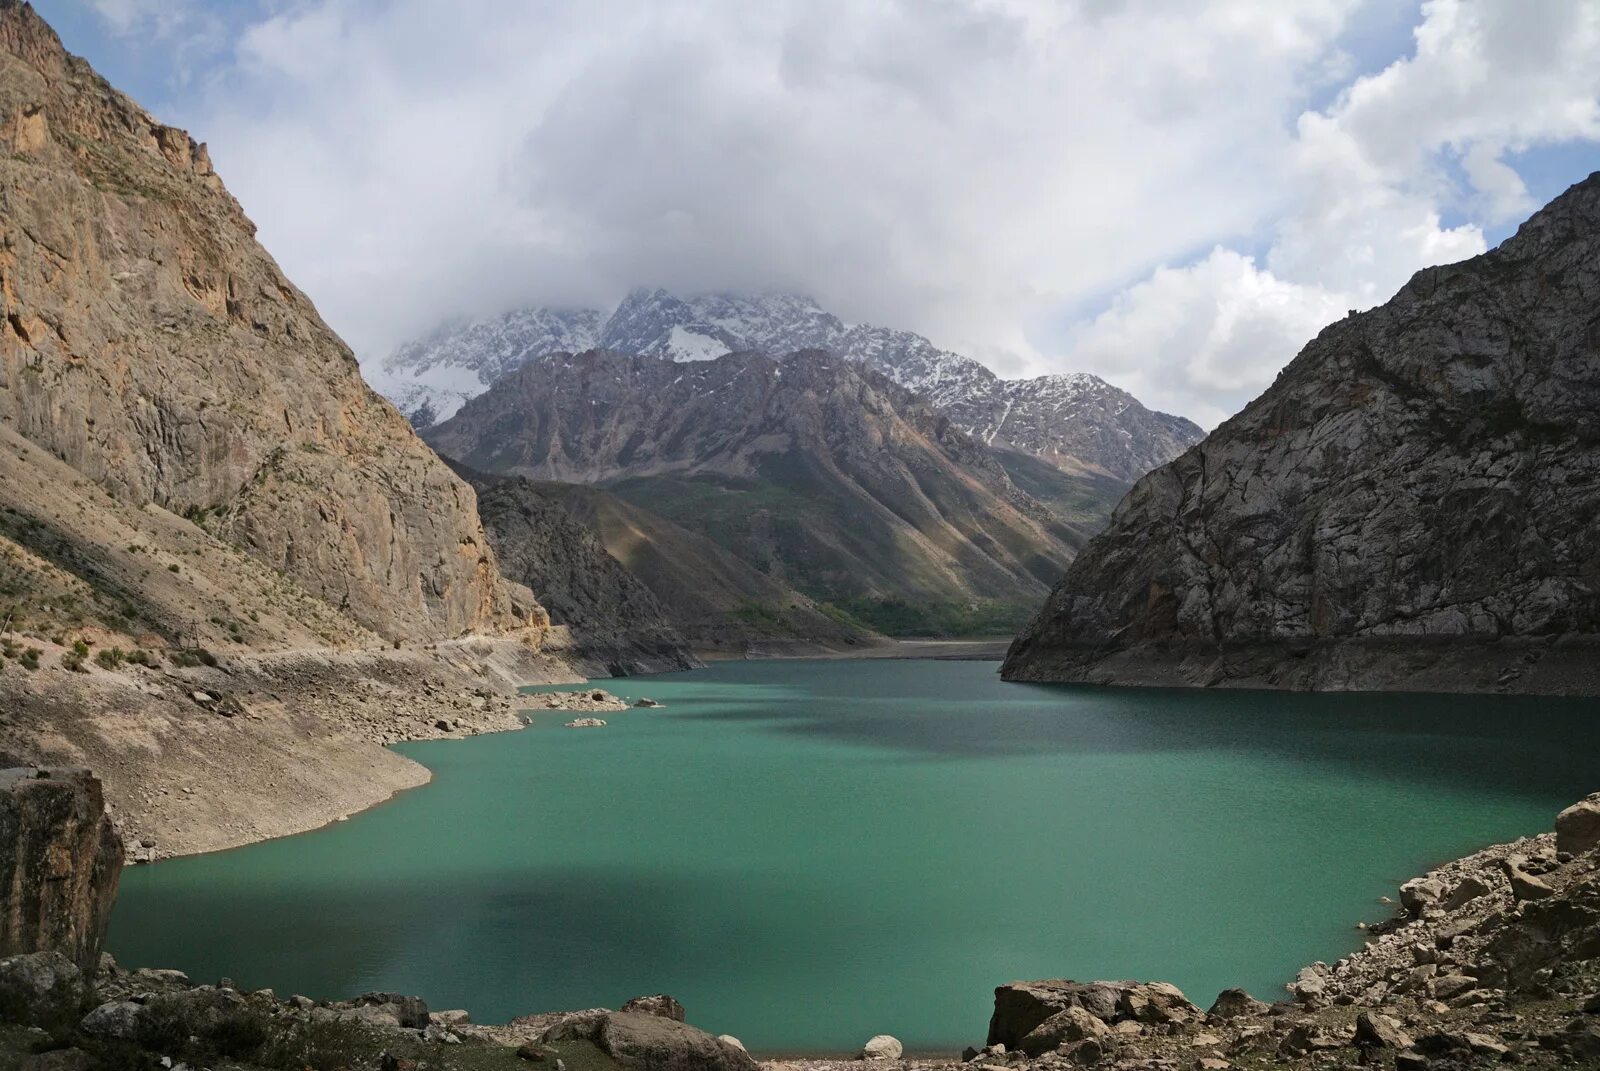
(1175, 195)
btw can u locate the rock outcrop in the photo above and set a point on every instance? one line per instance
(147, 340)
(60, 861)
(1411, 504)
(1022, 1008)
(616, 626)
(821, 473)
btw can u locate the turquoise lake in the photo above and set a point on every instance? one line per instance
(810, 853)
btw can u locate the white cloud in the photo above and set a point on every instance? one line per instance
(156, 17)
(1373, 177)
(967, 168)
(1202, 340)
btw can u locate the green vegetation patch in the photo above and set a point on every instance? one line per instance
(931, 620)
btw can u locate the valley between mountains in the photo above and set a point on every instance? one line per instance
(233, 574)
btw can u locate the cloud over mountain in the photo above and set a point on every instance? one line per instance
(1171, 195)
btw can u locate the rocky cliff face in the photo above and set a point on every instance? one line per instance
(60, 860)
(712, 598)
(1412, 503)
(1075, 421)
(617, 626)
(823, 474)
(147, 340)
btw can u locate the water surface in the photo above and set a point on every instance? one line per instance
(809, 853)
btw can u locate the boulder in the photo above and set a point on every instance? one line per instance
(60, 861)
(114, 1019)
(1467, 890)
(396, 1009)
(1235, 1003)
(660, 1004)
(1578, 827)
(40, 989)
(1419, 893)
(1453, 985)
(1525, 886)
(651, 1043)
(1156, 1003)
(1019, 1007)
(1066, 1027)
(1087, 1052)
(1375, 1031)
(882, 1047)
(1310, 986)
(729, 1039)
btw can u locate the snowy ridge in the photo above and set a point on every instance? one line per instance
(1073, 420)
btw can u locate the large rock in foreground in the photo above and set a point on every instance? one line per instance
(60, 861)
(650, 1042)
(1412, 504)
(1021, 1008)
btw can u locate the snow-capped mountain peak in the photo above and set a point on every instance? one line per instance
(1075, 417)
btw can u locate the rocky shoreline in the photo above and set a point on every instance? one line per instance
(257, 746)
(1491, 959)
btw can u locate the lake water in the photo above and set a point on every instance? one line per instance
(810, 853)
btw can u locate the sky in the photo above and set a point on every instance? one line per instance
(1173, 194)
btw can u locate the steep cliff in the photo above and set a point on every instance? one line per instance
(1412, 504)
(616, 626)
(229, 572)
(148, 341)
(60, 861)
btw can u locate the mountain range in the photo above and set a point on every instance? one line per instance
(819, 472)
(1078, 422)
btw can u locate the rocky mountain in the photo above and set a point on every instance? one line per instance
(824, 475)
(1412, 504)
(1076, 421)
(615, 626)
(151, 344)
(715, 601)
